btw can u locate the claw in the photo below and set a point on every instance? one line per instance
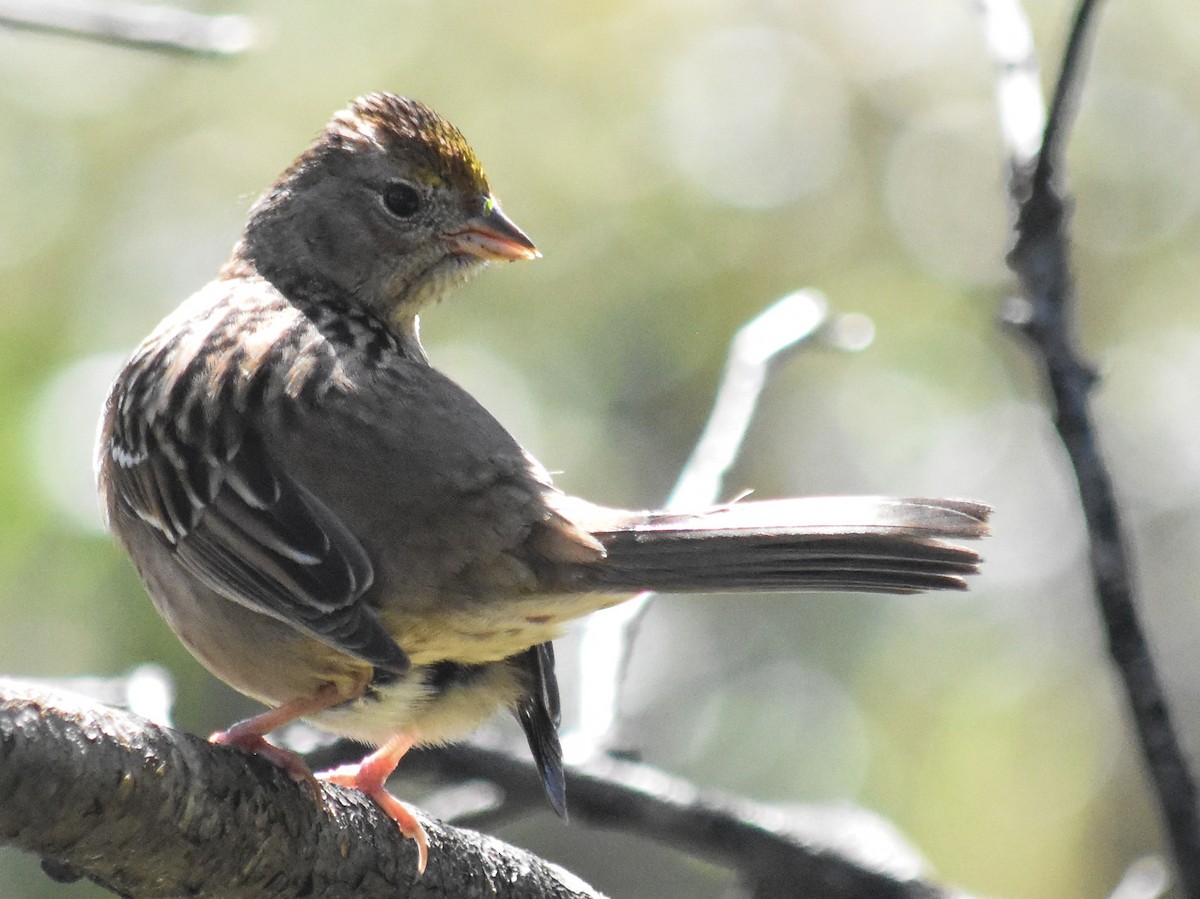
(256, 744)
(249, 735)
(369, 777)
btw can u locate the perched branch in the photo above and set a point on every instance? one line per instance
(146, 811)
(144, 26)
(1040, 259)
(149, 812)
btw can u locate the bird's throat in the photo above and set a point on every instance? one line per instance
(411, 292)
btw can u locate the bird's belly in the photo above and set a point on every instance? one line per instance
(425, 706)
(480, 631)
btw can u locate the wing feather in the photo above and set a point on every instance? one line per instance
(204, 484)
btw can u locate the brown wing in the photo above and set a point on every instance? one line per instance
(180, 461)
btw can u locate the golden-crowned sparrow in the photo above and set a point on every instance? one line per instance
(338, 530)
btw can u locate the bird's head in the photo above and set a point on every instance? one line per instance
(389, 208)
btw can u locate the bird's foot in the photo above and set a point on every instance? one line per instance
(250, 735)
(256, 744)
(369, 777)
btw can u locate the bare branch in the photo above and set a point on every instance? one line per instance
(1041, 261)
(150, 812)
(141, 25)
(1066, 89)
(146, 811)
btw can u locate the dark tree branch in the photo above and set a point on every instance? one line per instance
(146, 811)
(143, 26)
(1040, 258)
(149, 812)
(1066, 89)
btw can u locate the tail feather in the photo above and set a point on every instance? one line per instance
(868, 544)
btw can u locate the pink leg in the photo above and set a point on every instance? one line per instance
(370, 775)
(250, 734)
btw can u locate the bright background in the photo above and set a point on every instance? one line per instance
(682, 163)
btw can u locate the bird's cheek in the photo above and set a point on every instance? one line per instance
(336, 242)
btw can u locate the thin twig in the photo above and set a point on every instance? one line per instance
(759, 346)
(1040, 259)
(1066, 89)
(140, 25)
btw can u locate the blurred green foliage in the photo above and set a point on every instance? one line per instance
(681, 163)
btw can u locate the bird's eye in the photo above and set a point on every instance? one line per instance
(402, 200)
